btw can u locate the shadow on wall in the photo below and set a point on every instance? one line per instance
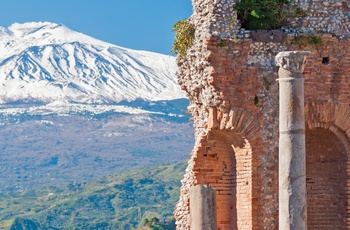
(326, 180)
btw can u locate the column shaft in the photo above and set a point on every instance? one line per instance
(292, 163)
(203, 208)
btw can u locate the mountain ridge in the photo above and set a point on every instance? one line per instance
(47, 62)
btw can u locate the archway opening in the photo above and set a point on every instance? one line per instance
(223, 161)
(326, 180)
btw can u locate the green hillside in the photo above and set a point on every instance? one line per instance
(118, 201)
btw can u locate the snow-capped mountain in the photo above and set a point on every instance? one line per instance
(46, 62)
(57, 124)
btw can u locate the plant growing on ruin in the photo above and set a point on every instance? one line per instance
(266, 14)
(305, 40)
(184, 37)
(256, 100)
(222, 43)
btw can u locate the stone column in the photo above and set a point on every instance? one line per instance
(202, 208)
(292, 165)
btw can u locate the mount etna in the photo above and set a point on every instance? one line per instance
(74, 108)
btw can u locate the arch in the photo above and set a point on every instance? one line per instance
(237, 120)
(327, 164)
(223, 160)
(326, 179)
(329, 115)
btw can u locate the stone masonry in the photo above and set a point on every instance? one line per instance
(231, 84)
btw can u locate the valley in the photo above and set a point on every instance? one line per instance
(46, 145)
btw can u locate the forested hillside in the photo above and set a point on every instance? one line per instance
(118, 201)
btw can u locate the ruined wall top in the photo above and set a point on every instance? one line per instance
(217, 17)
(214, 18)
(329, 16)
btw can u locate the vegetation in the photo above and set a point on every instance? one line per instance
(155, 224)
(305, 40)
(256, 100)
(115, 202)
(222, 43)
(24, 224)
(184, 37)
(266, 14)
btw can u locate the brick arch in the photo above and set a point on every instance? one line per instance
(236, 119)
(327, 165)
(223, 159)
(329, 115)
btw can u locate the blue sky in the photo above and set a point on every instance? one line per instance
(135, 24)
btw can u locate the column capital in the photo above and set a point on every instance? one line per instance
(293, 61)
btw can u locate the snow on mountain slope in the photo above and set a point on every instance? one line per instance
(47, 62)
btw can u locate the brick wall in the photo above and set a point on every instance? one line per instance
(238, 155)
(326, 177)
(233, 93)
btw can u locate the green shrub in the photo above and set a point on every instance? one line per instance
(305, 40)
(222, 43)
(184, 37)
(256, 100)
(154, 224)
(266, 14)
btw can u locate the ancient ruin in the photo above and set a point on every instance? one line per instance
(230, 76)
